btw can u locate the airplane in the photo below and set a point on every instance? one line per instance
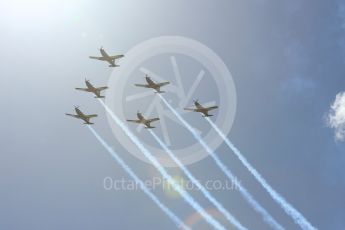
(80, 115)
(142, 120)
(200, 109)
(90, 88)
(105, 57)
(153, 85)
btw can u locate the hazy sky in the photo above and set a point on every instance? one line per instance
(287, 61)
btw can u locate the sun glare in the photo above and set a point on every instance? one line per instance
(30, 11)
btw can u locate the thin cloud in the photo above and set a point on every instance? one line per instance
(336, 117)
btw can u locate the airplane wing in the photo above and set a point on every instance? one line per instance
(190, 109)
(117, 57)
(134, 121)
(211, 108)
(140, 85)
(152, 120)
(83, 89)
(72, 115)
(163, 84)
(91, 115)
(98, 58)
(102, 88)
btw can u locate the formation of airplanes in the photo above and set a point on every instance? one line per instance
(150, 84)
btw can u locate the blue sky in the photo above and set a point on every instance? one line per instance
(287, 60)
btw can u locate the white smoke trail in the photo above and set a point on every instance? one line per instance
(288, 208)
(248, 197)
(165, 209)
(186, 196)
(197, 183)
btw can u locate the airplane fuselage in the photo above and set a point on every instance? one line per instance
(153, 85)
(201, 109)
(107, 58)
(90, 86)
(104, 54)
(141, 118)
(198, 105)
(93, 89)
(78, 112)
(82, 116)
(149, 81)
(143, 121)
